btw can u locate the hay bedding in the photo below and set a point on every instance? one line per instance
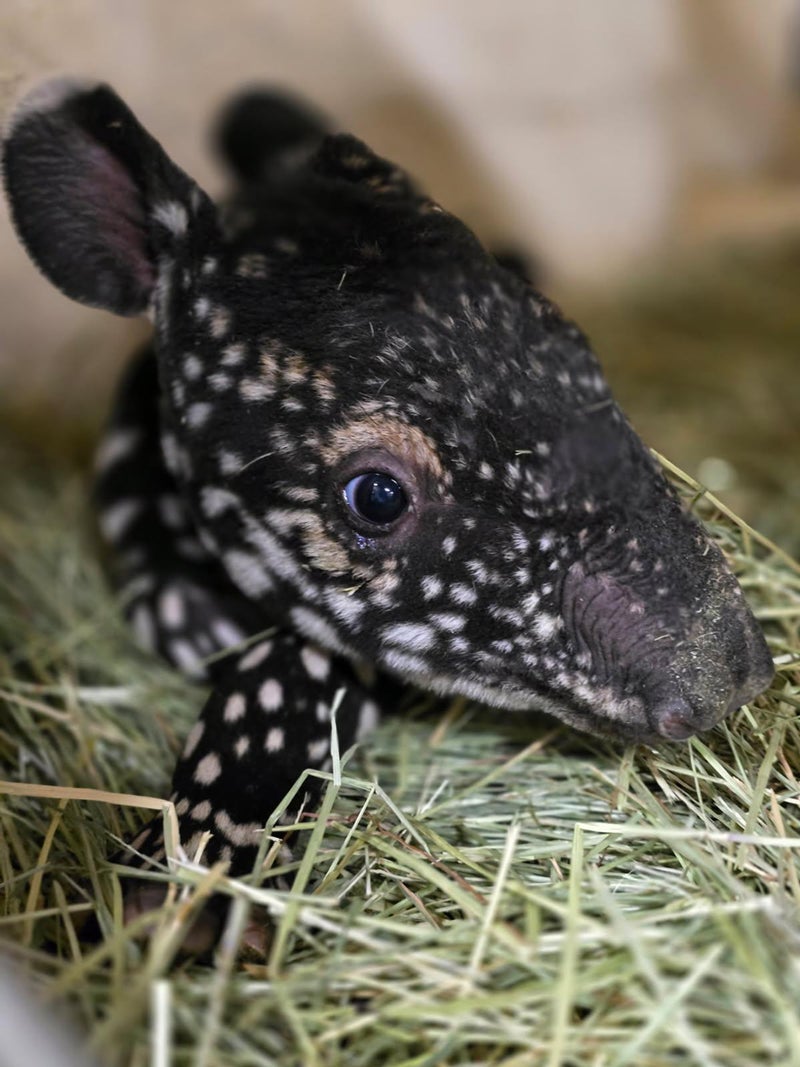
(476, 889)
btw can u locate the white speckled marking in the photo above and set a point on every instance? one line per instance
(270, 695)
(431, 587)
(115, 520)
(192, 368)
(200, 812)
(208, 769)
(192, 739)
(116, 446)
(186, 658)
(172, 215)
(546, 625)
(198, 414)
(275, 739)
(227, 633)
(462, 594)
(215, 501)
(171, 609)
(368, 718)
(254, 656)
(246, 833)
(317, 750)
(144, 630)
(449, 622)
(414, 636)
(235, 707)
(316, 663)
(247, 572)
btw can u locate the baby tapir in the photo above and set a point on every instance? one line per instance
(354, 426)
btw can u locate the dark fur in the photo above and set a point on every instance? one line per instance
(331, 320)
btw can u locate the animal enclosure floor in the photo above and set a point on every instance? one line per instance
(476, 889)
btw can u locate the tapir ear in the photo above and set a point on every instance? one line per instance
(344, 158)
(95, 199)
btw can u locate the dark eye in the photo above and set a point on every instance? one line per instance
(378, 498)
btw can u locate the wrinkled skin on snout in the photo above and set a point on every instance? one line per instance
(331, 323)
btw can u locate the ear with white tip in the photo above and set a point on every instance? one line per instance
(94, 198)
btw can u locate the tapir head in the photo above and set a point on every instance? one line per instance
(393, 443)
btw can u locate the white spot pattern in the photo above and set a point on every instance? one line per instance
(115, 520)
(208, 769)
(255, 656)
(235, 707)
(270, 695)
(275, 739)
(115, 447)
(193, 739)
(173, 216)
(316, 662)
(317, 750)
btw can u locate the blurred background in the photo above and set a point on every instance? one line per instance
(647, 155)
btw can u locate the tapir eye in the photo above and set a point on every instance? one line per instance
(376, 497)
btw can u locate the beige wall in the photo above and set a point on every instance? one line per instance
(571, 126)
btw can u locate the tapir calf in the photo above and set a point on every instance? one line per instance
(355, 429)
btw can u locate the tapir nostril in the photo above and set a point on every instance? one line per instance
(675, 720)
(737, 667)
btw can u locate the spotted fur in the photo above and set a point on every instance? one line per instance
(330, 320)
